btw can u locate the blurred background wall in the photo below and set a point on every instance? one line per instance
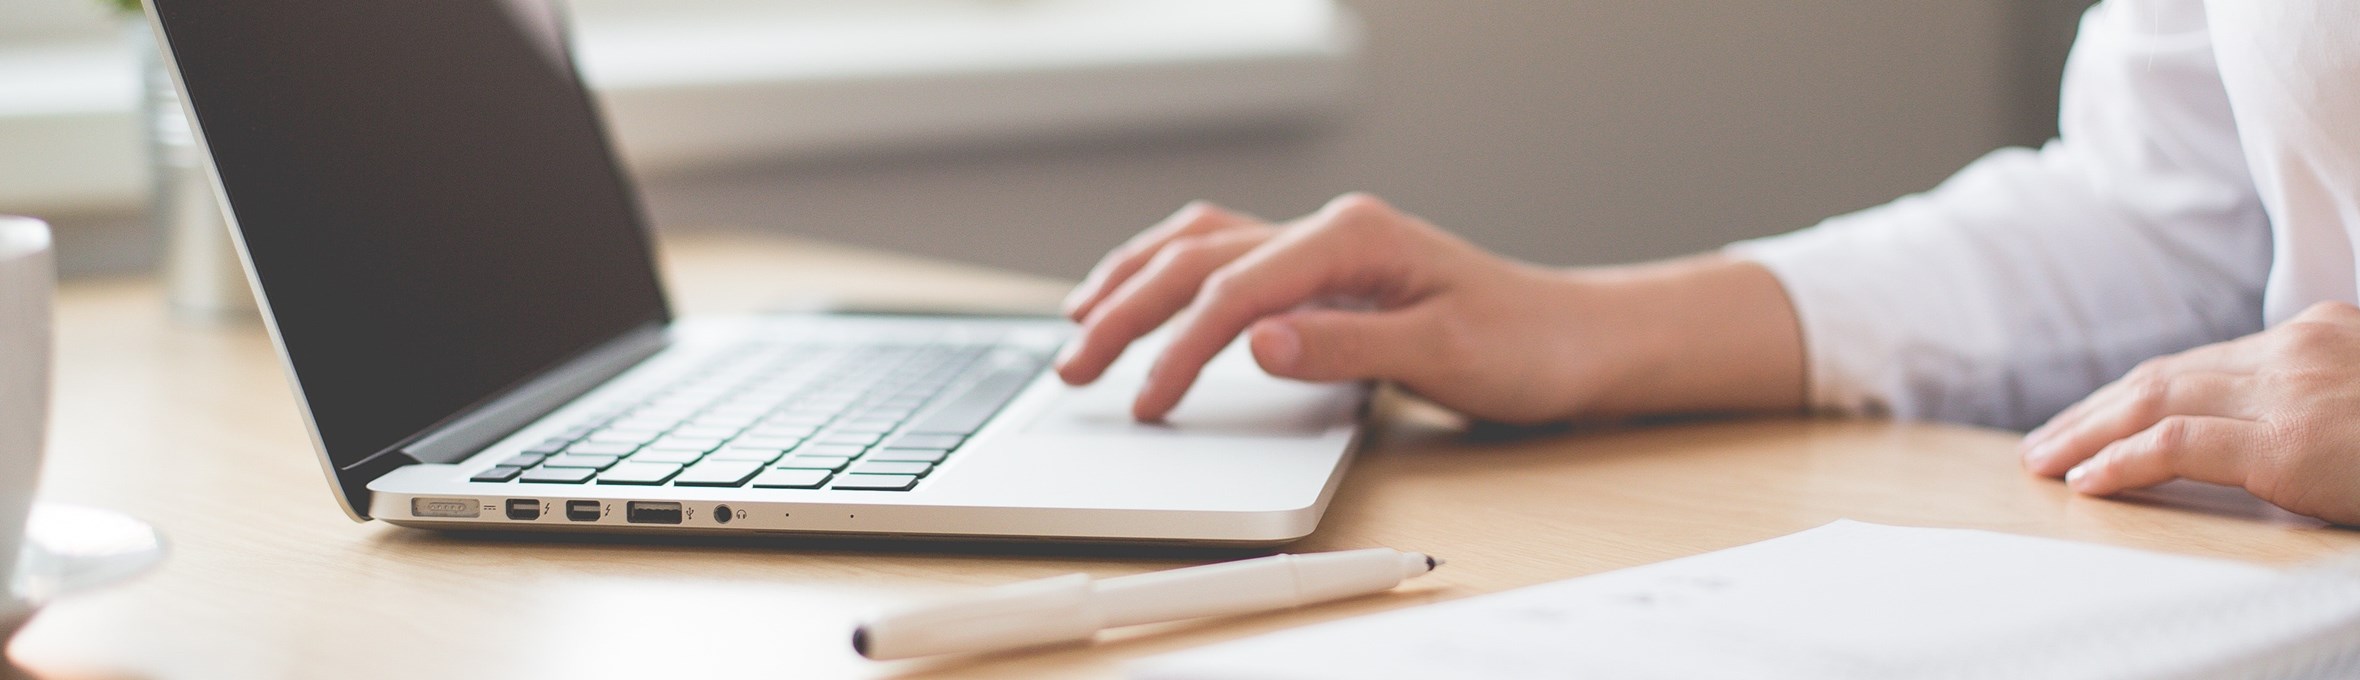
(1561, 132)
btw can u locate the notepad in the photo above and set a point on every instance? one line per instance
(1849, 600)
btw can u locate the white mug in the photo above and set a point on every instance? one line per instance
(27, 281)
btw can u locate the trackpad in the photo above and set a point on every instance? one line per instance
(1232, 398)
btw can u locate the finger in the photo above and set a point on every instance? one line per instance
(2135, 405)
(1329, 345)
(1162, 288)
(2238, 356)
(1348, 247)
(1195, 219)
(2203, 448)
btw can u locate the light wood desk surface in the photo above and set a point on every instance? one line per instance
(192, 427)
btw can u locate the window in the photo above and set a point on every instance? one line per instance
(695, 83)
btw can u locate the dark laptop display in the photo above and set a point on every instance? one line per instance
(426, 196)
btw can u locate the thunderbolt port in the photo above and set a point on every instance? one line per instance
(582, 511)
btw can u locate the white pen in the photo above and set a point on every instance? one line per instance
(1075, 607)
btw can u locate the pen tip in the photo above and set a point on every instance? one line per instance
(860, 640)
(1432, 562)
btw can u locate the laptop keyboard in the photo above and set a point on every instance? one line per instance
(869, 417)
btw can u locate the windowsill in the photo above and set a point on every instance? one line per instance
(714, 83)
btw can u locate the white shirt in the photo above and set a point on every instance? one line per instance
(2205, 182)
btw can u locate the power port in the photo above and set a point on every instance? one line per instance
(652, 512)
(524, 509)
(582, 511)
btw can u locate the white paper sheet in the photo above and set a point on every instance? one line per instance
(1845, 600)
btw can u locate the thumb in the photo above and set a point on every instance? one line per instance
(1328, 345)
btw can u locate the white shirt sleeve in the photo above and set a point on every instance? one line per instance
(2292, 70)
(2031, 277)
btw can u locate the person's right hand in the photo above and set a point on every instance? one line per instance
(1490, 337)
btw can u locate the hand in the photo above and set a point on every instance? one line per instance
(1442, 318)
(1490, 337)
(2276, 412)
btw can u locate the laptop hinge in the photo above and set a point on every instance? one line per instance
(461, 437)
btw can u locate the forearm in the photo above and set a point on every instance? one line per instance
(1702, 334)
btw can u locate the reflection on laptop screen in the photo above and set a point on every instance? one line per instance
(425, 193)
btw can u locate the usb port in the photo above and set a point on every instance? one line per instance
(524, 509)
(652, 512)
(581, 511)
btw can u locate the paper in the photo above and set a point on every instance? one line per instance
(1845, 600)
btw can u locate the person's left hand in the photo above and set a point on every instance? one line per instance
(2276, 412)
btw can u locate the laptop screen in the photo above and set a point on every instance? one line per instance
(426, 195)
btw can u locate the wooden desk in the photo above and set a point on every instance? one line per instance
(192, 427)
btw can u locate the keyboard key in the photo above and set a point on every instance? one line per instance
(812, 419)
(764, 443)
(523, 460)
(788, 431)
(638, 473)
(717, 473)
(758, 455)
(550, 475)
(864, 427)
(740, 410)
(926, 441)
(732, 422)
(791, 479)
(814, 462)
(548, 447)
(844, 450)
(891, 467)
(577, 460)
(848, 439)
(967, 412)
(891, 411)
(705, 432)
(830, 402)
(684, 444)
(643, 423)
(668, 408)
(674, 457)
(874, 482)
(909, 455)
(615, 436)
(498, 473)
(602, 449)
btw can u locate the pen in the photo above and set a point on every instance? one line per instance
(1075, 607)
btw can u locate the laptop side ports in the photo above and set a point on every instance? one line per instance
(524, 509)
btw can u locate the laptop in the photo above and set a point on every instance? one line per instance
(457, 274)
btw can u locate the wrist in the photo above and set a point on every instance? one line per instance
(1701, 334)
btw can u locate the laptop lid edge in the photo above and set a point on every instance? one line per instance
(237, 237)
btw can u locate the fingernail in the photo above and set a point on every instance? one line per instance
(1073, 300)
(1282, 346)
(1065, 354)
(2073, 476)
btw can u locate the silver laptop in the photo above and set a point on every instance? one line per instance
(457, 274)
